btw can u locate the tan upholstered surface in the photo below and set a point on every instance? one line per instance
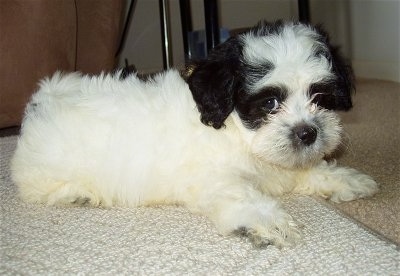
(41, 36)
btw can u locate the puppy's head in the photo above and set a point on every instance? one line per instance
(282, 80)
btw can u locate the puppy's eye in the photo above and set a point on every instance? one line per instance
(272, 104)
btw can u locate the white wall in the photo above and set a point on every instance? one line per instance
(375, 38)
(334, 16)
(367, 30)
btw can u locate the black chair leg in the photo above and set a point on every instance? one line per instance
(165, 33)
(304, 11)
(212, 26)
(186, 23)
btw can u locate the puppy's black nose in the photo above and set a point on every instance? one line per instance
(306, 134)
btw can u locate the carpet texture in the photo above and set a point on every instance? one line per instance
(36, 239)
(373, 146)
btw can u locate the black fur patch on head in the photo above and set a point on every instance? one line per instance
(252, 73)
(323, 94)
(344, 80)
(342, 87)
(254, 108)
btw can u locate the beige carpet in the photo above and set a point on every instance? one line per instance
(373, 130)
(169, 240)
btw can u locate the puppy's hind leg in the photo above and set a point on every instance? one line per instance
(73, 194)
(58, 193)
(336, 183)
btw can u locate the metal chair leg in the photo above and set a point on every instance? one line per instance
(165, 33)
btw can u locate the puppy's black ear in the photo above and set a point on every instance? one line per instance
(344, 80)
(344, 83)
(213, 82)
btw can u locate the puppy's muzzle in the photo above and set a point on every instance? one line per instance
(304, 135)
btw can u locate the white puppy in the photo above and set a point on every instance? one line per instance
(247, 124)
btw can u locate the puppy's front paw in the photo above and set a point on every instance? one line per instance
(337, 183)
(284, 232)
(353, 185)
(263, 222)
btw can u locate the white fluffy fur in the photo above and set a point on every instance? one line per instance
(105, 141)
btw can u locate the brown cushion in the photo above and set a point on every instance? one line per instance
(42, 36)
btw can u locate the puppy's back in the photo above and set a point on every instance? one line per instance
(79, 130)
